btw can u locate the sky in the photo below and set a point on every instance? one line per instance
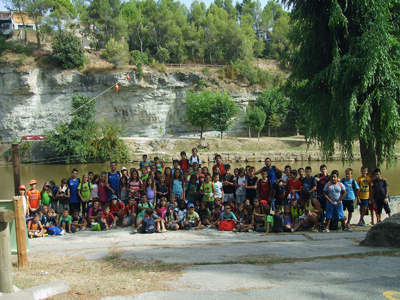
(186, 2)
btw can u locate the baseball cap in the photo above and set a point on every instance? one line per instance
(33, 181)
(190, 205)
(114, 197)
(47, 183)
(202, 175)
(22, 187)
(171, 206)
(123, 169)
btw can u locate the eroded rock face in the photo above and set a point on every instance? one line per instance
(384, 234)
(33, 101)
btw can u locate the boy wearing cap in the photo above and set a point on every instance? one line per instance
(192, 219)
(34, 198)
(171, 218)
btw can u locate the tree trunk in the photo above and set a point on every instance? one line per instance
(38, 38)
(221, 135)
(249, 133)
(368, 156)
(201, 132)
(23, 24)
(269, 130)
(258, 136)
(276, 131)
(297, 131)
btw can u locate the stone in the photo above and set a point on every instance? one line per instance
(384, 234)
(39, 292)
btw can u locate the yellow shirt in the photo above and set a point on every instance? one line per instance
(364, 183)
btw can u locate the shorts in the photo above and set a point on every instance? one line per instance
(349, 205)
(330, 208)
(138, 220)
(364, 202)
(240, 198)
(171, 225)
(190, 224)
(129, 220)
(381, 205)
(62, 207)
(228, 197)
(372, 205)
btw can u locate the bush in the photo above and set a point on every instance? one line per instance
(67, 51)
(162, 68)
(221, 76)
(206, 71)
(154, 64)
(163, 54)
(117, 53)
(3, 43)
(221, 70)
(21, 49)
(139, 71)
(95, 45)
(137, 56)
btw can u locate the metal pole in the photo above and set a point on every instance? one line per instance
(17, 174)
(6, 284)
(20, 228)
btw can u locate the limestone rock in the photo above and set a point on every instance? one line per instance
(384, 234)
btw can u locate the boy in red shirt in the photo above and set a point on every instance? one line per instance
(108, 219)
(184, 162)
(117, 208)
(129, 216)
(34, 198)
(264, 187)
(293, 184)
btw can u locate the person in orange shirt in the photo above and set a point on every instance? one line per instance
(34, 198)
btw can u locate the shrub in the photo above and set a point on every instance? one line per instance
(95, 45)
(162, 68)
(3, 43)
(206, 71)
(230, 72)
(139, 71)
(154, 64)
(221, 76)
(117, 53)
(163, 55)
(67, 51)
(137, 56)
(221, 70)
(201, 84)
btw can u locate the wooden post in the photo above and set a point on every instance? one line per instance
(17, 174)
(6, 284)
(20, 228)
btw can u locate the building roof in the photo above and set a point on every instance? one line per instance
(17, 18)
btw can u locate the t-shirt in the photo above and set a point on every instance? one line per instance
(143, 211)
(171, 217)
(231, 216)
(334, 190)
(135, 186)
(177, 187)
(162, 188)
(181, 213)
(73, 190)
(103, 194)
(192, 218)
(296, 212)
(128, 210)
(251, 193)
(364, 184)
(46, 200)
(77, 220)
(241, 190)
(184, 164)
(34, 198)
(228, 189)
(271, 173)
(191, 191)
(113, 181)
(203, 214)
(193, 159)
(207, 188)
(380, 186)
(117, 207)
(221, 166)
(68, 219)
(48, 221)
(293, 185)
(264, 193)
(144, 164)
(351, 193)
(268, 219)
(85, 190)
(109, 218)
(218, 189)
(309, 183)
(124, 193)
(215, 216)
(93, 212)
(95, 188)
(161, 212)
(323, 180)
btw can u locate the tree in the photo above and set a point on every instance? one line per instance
(67, 51)
(117, 52)
(36, 9)
(198, 109)
(274, 103)
(222, 112)
(72, 140)
(255, 118)
(20, 5)
(346, 76)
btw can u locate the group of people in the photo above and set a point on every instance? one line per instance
(156, 198)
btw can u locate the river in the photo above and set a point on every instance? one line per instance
(45, 172)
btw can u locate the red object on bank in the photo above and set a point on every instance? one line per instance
(33, 137)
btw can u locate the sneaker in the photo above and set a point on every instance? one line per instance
(111, 227)
(314, 229)
(208, 226)
(187, 228)
(292, 230)
(346, 228)
(250, 230)
(62, 232)
(134, 230)
(361, 224)
(326, 230)
(45, 235)
(159, 230)
(235, 230)
(83, 228)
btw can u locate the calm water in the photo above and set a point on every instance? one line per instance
(43, 173)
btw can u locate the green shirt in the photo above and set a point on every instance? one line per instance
(85, 191)
(46, 200)
(143, 211)
(207, 188)
(68, 219)
(269, 219)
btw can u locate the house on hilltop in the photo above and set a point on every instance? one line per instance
(12, 20)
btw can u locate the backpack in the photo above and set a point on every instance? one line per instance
(282, 192)
(98, 226)
(212, 186)
(334, 224)
(148, 225)
(54, 230)
(353, 184)
(278, 223)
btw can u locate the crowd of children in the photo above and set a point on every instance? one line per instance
(157, 198)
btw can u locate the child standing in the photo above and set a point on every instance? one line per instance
(162, 188)
(208, 191)
(25, 204)
(322, 179)
(34, 198)
(123, 190)
(95, 187)
(240, 183)
(135, 185)
(151, 190)
(103, 191)
(46, 194)
(219, 191)
(264, 187)
(191, 189)
(85, 193)
(352, 189)
(380, 194)
(63, 198)
(293, 184)
(228, 182)
(365, 195)
(251, 185)
(184, 162)
(177, 186)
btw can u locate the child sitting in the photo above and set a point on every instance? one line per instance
(171, 218)
(228, 215)
(216, 216)
(129, 216)
(240, 211)
(192, 219)
(35, 227)
(149, 213)
(181, 211)
(78, 223)
(49, 219)
(117, 208)
(246, 223)
(65, 222)
(287, 219)
(95, 212)
(204, 214)
(108, 219)
(268, 220)
(162, 207)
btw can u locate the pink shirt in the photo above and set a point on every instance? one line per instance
(134, 186)
(103, 193)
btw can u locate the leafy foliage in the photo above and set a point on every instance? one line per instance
(117, 52)
(67, 51)
(255, 118)
(198, 109)
(346, 75)
(222, 112)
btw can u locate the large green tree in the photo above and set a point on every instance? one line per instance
(222, 112)
(255, 118)
(198, 109)
(346, 75)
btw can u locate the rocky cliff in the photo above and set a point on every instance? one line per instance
(33, 100)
